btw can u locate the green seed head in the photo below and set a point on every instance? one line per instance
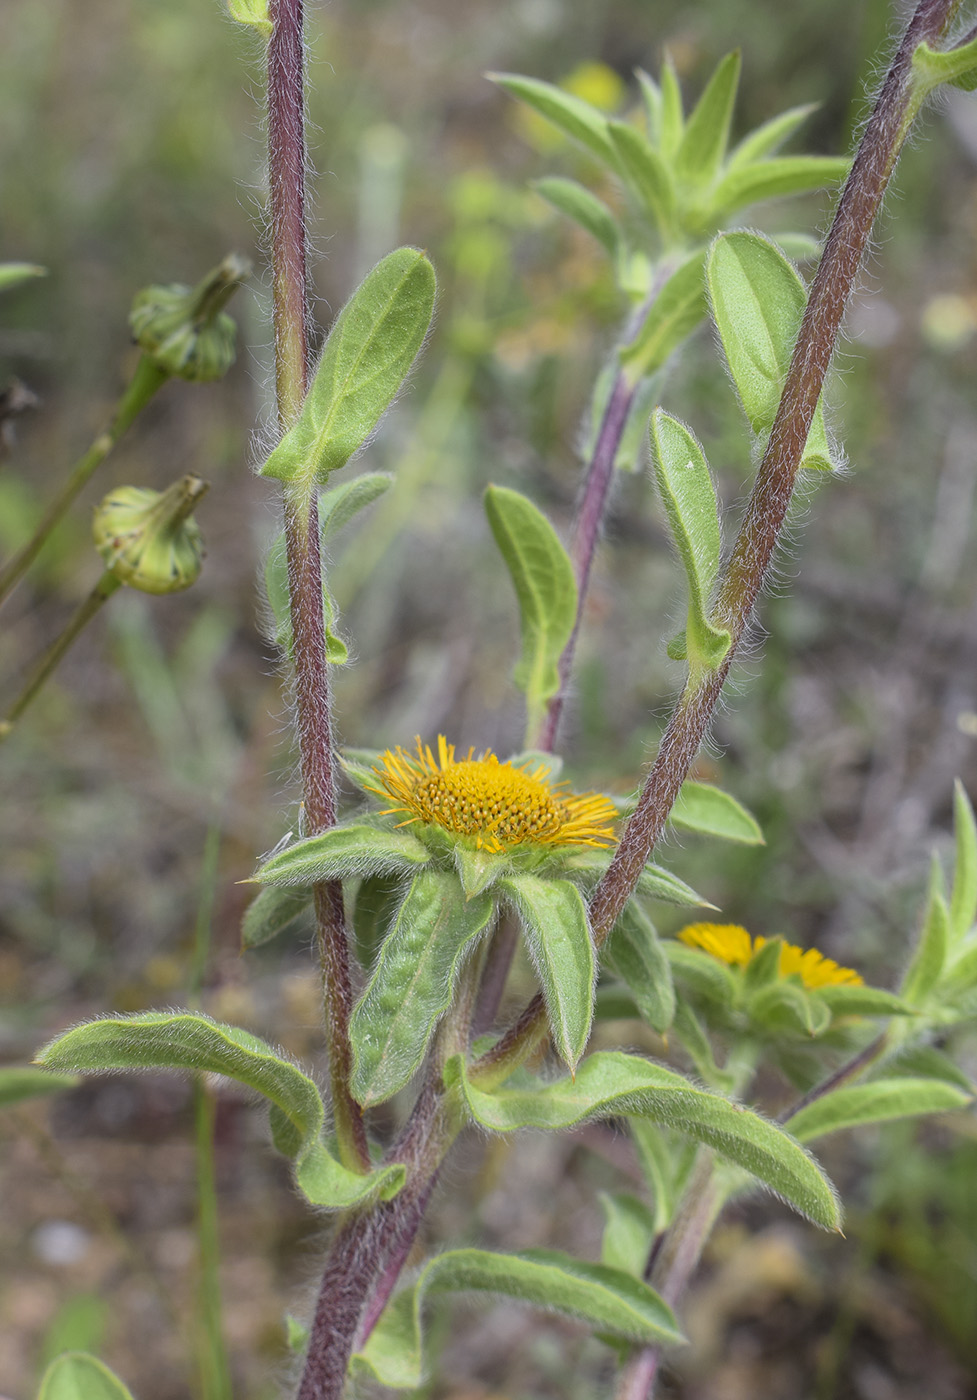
(184, 329)
(149, 539)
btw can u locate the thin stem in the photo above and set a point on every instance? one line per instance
(772, 491)
(849, 1070)
(286, 173)
(102, 591)
(147, 379)
(213, 1365)
(671, 1263)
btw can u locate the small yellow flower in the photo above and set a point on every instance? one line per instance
(732, 944)
(496, 805)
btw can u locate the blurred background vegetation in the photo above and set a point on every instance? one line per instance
(157, 765)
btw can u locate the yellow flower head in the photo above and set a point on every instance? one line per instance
(496, 805)
(732, 944)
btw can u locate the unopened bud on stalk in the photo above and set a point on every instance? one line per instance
(149, 539)
(184, 330)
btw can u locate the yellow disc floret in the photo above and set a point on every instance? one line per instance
(732, 944)
(496, 805)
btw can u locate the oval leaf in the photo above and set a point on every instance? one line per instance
(693, 514)
(879, 1101)
(557, 933)
(612, 1083)
(610, 1300)
(276, 909)
(758, 301)
(635, 954)
(341, 853)
(190, 1041)
(707, 809)
(365, 361)
(412, 983)
(78, 1376)
(545, 587)
(673, 315)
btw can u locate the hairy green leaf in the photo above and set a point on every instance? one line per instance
(635, 954)
(412, 984)
(573, 116)
(341, 853)
(612, 1083)
(366, 359)
(647, 175)
(769, 137)
(276, 908)
(879, 1101)
(190, 1041)
(672, 115)
(77, 1376)
(929, 957)
(963, 899)
(607, 1299)
(702, 974)
(707, 809)
(957, 66)
(584, 208)
(629, 1228)
(706, 134)
(693, 514)
(557, 933)
(848, 1000)
(775, 178)
(13, 273)
(758, 301)
(545, 588)
(19, 1082)
(674, 314)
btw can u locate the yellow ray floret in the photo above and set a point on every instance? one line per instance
(496, 805)
(733, 945)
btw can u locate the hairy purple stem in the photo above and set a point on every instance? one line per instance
(286, 174)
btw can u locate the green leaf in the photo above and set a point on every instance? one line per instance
(607, 1299)
(77, 1376)
(609, 1084)
(546, 590)
(782, 1006)
(956, 66)
(337, 507)
(365, 361)
(879, 1101)
(758, 301)
(13, 273)
(663, 1158)
(254, 13)
(629, 1228)
(701, 973)
(360, 766)
(190, 1041)
(674, 314)
(276, 909)
(652, 96)
(341, 853)
(925, 1061)
(635, 954)
(573, 116)
(963, 899)
(707, 809)
(776, 178)
(672, 117)
(706, 134)
(584, 208)
(557, 933)
(848, 1000)
(477, 870)
(763, 967)
(693, 514)
(647, 175)
(691, 1035)
(929, 957)
(765, 139)
(19, 1082)
(413, 982)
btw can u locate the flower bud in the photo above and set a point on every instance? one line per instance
(184, 330)
(148, 538)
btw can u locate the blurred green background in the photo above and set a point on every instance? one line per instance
(130, 153)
